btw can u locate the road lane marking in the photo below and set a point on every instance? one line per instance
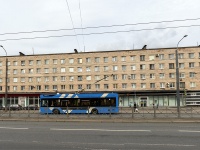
(13, 128)
(107, 130)
(160, 144)
(192, 131)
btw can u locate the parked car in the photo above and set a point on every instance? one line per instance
(14, 107)
(32, 107)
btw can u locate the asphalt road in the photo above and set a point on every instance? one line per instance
(98, 136)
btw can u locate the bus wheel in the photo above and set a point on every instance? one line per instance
(56, 111)
(94, 111)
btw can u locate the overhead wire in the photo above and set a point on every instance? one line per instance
(99, 33)
(72, 23)
(95, 27)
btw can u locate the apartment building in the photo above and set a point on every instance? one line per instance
(144, 76)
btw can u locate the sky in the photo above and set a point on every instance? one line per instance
(96, 25)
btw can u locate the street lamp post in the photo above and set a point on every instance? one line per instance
(6, 82)
(177, 79)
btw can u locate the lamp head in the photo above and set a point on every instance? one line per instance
(1, 46)
(185, 35)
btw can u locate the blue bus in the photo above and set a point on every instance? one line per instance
(94, 103)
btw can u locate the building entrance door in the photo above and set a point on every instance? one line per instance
(143, 102)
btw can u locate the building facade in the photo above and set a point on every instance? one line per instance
(144, 76)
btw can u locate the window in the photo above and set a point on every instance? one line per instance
(133, 85)
(171, 75)
(132, 76)
(143, 85)
(115, 68)
(62, 87)
(106, 86)
(62, 70)
(105, 59)
(123, 58)
(151, 66)
(114, 58)
(152, 76)
(182, 75)
(171, 65)
(142, 57)
(71, 78)
(191, 65)
(22, 79)
(55, 87)
(22, 71)
(162, 85)
(63, 78)
(162, 75)
(142, 76)
(15, 71)
(54, 70)
(97, 77)
(22, 88)
(88, 86)
(46, 70)
(115, 86)
(38, 87)
(88, 77)
(161, 56)
(88, 69)
(88, 60)
(133, 67)
(172, 84)
(180, 56)
(152, 85)
(192, 74)
(142, 67)
(71, 87)
(115, 77)
(55, 78)
(123, 67)
(55, 61)
(38, 70)
(30, 71)
(38, 79)
(46, 79)
(46, 61)
(62, 61)
(46, 87)
(182, 84)
(38, 62)
(124, 85)
(191, 55)
(30, 62)
(97, 59)
(30, 79)
(132, 58)
(105, 68)
(14, 63)
(15, 80)
(161, 66)
(14, 88)
(71, 69)
(79, 60)
(181, 65)
(1, 71)
(79, 86)
(124, 76)
(23, 63)
(80, 78)
(96, 68)
(192, 84)
(152, 57)
(97, 86)
(79, 69)
(105, 77)
(171, 56)
(71, 60)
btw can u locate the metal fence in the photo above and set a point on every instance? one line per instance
(124, 113)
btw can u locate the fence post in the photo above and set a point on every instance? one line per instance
(154, 110)
(9, 112)
(132, 112)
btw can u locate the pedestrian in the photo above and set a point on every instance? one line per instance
(135, 107)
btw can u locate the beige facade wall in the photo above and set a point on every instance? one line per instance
(126, 70)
